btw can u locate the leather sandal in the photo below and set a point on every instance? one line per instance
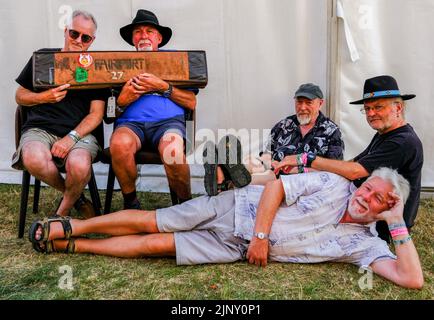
(48, 247)
(45, 225)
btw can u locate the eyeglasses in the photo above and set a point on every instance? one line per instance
(85, 38)
(376, 109)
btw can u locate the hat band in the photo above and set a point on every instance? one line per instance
(381, 94)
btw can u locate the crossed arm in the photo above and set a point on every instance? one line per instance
(147, 82)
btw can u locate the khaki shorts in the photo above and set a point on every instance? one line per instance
(88, 143)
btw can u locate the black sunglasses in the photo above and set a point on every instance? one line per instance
(85, 38)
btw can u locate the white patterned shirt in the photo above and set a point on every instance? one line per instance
(306, 228)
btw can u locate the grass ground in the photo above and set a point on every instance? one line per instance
(25, 274)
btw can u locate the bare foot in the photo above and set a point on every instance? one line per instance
(56, 231)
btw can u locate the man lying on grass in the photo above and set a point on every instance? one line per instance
(304, 218)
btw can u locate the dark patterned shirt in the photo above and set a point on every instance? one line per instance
(324, 139)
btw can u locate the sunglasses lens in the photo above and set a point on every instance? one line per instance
(85, 38)
(74, 34)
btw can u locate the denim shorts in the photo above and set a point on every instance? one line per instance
(150, 133)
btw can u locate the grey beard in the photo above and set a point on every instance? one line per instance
(303, 120)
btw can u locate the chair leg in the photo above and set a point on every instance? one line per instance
(109, 190)
(36, 193)
(23, 204)
(174, 197)
(93, 189)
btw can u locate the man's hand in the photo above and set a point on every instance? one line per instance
(139, 85)
(288, 165)
(150, 82)
(54, 95)
(395, 214)
(61, 148)
(258, 252)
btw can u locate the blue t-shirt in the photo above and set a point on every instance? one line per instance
(150, 107)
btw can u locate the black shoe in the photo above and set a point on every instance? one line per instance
(230, 153)
(135, 204)
(210, 158)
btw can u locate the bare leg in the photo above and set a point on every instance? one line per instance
(37, 159)
(125, 222)
(132, 246)
(124, 144)
(77, 167)
(171, 149)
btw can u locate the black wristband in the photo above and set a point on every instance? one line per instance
(310, 158)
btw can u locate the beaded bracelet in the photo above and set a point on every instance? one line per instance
(402, 241)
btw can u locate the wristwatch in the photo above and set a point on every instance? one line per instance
(167, 93)
(261, 235)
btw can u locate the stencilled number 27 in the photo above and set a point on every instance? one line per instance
(117, 75)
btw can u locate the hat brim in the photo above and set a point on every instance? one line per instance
(308, 95)
(127, 32)
(404, 97)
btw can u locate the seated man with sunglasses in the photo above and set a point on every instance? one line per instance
(59, 122)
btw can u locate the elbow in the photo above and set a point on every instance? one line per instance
(416, 282)
(356, 174)
(192, 104)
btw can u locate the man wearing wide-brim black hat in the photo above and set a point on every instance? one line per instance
(151, 112)
(395, 145)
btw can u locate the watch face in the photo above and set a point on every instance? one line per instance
(261, 235)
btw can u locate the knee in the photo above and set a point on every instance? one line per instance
(35, 159)
(78, 168)
(172, 153)
(122, 144)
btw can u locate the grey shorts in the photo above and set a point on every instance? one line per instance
(88, 143)
(204, 230)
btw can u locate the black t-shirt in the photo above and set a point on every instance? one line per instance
(402, 150)
(61, 117)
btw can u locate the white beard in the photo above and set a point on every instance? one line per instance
(144, 45)
(304, 119)
(354, 208)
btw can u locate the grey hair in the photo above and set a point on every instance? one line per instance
(84, 14)
(400, 185)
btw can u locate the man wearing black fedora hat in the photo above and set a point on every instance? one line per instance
(150, 113)
(395, 145)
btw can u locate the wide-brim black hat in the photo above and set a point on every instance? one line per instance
(149, 18)
(381, 87)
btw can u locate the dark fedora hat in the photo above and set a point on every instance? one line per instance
(381, 87)
(149, 18)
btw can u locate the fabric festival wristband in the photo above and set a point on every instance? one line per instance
(394, 226)
(299, 161)
(402, 241)
(300, 169)
(306, 170)
(304, 158)
(398, 232)
(73, 137)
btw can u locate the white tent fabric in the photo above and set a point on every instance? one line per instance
(392, 37)
(258, 52)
